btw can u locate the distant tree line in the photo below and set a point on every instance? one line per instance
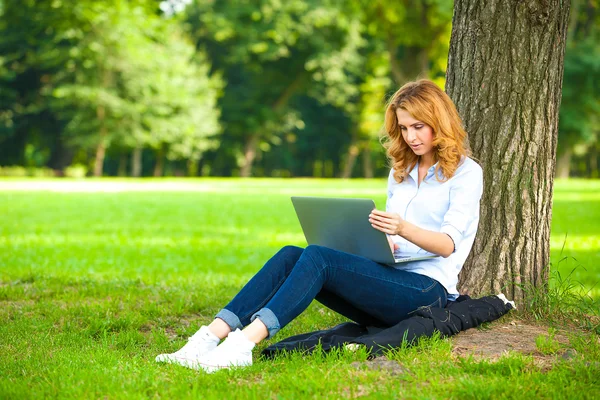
(240, 88)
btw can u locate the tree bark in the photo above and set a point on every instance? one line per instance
(505, 70)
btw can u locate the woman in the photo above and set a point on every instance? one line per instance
(434, 190)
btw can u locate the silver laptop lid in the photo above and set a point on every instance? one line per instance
(342, 224)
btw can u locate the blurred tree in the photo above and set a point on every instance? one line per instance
(580, 107)
(369, 109)
(313, 147)
(111, 72)
(118, 77)
(415, 35)
(176, 100)
(404, 41)
(506, 82)
(27, 126)
(268, 51)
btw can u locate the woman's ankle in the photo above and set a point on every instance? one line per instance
(256, 331)
(219, 328)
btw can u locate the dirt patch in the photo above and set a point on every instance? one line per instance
(497, 340)
(513, 336)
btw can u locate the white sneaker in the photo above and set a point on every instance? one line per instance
(502, 297)
(199, 344)
(353, 346)
(235, 351)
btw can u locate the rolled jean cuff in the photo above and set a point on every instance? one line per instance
(268, 318)
(230, 319)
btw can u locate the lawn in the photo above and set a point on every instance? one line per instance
(575, 238)
(94, 284)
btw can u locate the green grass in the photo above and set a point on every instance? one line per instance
(94, 285)
(575, 239)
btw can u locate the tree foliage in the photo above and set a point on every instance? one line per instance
(112, 74)
(580, 110)
(233, 87)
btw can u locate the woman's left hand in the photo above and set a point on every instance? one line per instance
(390, 223)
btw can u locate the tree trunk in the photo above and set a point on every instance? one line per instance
(160, 162)
(200, 167)
(353, 151)
(101, 147)
(593, 162)
(249, 155)
(61, 156)
(136, 162)
(99, 159)
(192, 167)
(395, 66)
(563, 164)
(251, 146)
(367, 163)
(414, 65)
(415, 59)
(122, 168)
(101, 115)
(573, 20)
(318, 168)
(505, 70)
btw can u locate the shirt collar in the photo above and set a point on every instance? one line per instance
(414, 173)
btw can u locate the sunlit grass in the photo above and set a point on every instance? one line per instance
(227, 226)
(575, 238)
(94, 284)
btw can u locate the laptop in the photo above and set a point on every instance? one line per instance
(343, 224)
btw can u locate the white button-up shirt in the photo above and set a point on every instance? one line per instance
(450, 207)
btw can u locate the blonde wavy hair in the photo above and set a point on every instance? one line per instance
(426, 102)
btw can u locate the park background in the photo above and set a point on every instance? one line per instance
(97, 276)
(239, 88)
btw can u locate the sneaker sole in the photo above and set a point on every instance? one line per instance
(210, 368)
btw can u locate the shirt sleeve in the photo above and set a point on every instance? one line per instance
(390, 192)
(465, 194)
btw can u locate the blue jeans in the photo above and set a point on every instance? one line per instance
(356, 287)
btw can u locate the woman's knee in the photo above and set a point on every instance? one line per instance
(286, 258)
(290, 252)
(313, 256)
(320, 253)
(312, 251)
(315, 248)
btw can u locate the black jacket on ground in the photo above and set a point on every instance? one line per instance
(459, 315)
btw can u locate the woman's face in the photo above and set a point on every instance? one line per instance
(418, 135)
